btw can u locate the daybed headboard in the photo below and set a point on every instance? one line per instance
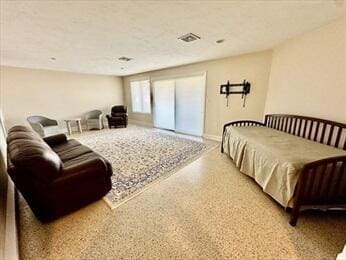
(316, 129)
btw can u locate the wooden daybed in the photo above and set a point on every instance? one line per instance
(298, 160)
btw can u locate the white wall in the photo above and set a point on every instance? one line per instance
(3, 190)
(8, 229)
(253, 67)
(308, 74)
(54, 94)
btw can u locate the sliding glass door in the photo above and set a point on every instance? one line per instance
(189, 105)
(179, 104)
(164, 104)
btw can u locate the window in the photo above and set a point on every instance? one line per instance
(140, 95)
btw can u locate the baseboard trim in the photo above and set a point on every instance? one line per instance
(140, 123)
(217, 138)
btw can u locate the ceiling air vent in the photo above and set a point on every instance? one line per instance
(124, 59)
(189, 37)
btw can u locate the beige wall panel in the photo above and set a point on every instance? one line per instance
(308, 75)
(57, 95)
(253, 67)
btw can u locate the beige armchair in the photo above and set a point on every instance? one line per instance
(44, 126)
(94, 119)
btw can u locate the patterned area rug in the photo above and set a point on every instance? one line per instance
(140, 156)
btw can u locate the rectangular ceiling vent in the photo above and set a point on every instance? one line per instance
(124, 58)
(189, 37)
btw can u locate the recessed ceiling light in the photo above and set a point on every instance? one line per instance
(125, 58)
(52, 58)
(189, 37)
(220, 41)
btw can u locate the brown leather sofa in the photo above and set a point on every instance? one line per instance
(55, 175)
(118, 117)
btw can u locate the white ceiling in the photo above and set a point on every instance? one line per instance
(89, 36)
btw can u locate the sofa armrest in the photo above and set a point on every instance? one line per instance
(87, 169)
(55, 139)
(38, 128)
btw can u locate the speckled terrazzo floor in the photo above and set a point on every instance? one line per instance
(207, 210)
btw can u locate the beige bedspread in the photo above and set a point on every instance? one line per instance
(273, 158)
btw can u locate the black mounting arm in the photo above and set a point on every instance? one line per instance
(238, 88)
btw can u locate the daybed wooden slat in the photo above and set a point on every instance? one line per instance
(338, 137)
(310, 129)
(316, 130)
(331, 132)
(305, 124)
(299, 126)
(320, 179)
(323, 133)
(329, 179)
(295, 126)
(281, 123)
(339, 186)
(275, 119)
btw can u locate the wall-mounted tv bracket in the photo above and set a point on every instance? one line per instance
(239, 88)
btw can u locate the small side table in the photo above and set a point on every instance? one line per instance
(78, 123)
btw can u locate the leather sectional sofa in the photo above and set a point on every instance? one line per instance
(55, 175)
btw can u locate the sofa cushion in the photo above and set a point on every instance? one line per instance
(66, 146)
(73, 152)
(55, 140)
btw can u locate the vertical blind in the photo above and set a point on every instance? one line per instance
(164, 104)
(140, 95)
